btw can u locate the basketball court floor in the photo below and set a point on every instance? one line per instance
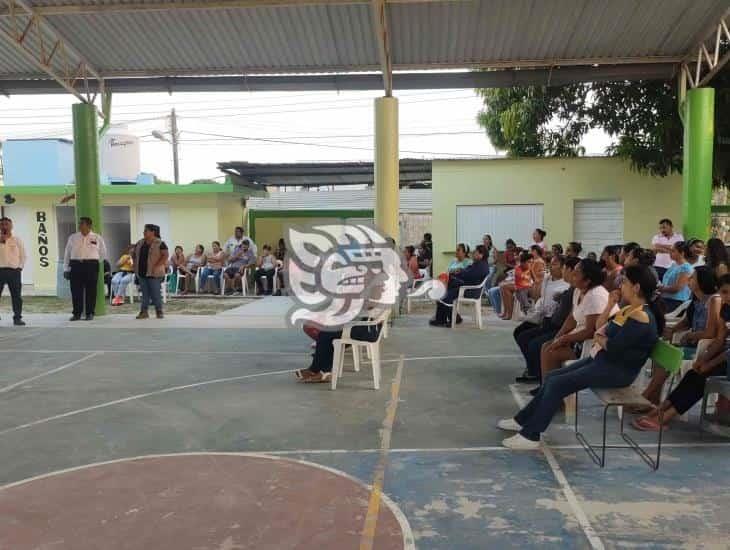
(192, 433)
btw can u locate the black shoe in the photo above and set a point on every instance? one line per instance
(75, 318)
(90, 317)
(458, 319)
(18, 323)
(533, 392)
(435, 323)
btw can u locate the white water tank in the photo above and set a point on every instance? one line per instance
(119, 155)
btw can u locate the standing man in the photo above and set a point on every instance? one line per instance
(235, 241)
(662, 244)
(150, 264)
(12, 261)
(84, 252)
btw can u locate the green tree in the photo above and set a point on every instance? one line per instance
(642, 117)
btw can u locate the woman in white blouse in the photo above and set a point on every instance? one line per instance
(589, 301)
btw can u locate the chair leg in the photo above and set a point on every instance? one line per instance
(454, 313)
(478, 313)
(336, 364)
(376, 365)
(570, 406)
(356, 357)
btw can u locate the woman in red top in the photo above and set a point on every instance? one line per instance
(410, 255)
(522, 281)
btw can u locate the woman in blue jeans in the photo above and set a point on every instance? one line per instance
(622, 345)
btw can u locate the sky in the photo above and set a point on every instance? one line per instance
(272, 126)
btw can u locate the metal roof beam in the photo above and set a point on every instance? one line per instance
(89, 9)
(401, 81)
(710, 55)
(30, 34)
(380, 27)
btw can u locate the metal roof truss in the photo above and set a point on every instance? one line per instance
(710, 57)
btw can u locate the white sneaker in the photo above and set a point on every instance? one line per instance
(519, 443)
(509, 425)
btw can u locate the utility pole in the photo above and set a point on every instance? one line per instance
(175, 137)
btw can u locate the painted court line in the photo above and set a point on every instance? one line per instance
(367, 538)
(141, 396)
(48, 373)
(590, 533)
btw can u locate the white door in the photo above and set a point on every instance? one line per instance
(501, 221)
(24, 229)
(598, 223)
(158, 214)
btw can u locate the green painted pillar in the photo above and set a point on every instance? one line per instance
(86, 166)
(699, 130)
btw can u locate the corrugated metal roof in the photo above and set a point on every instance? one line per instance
(411, 200)
(322, 36)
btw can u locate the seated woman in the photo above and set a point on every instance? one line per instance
(541, 324)
(716, 258)
(193, 262)
(537, 270)
(622, 345)
(213, 268)
(695, 252)
(674, 288)
(265, 269)
(320, 371)
(589, 301)
(409, 254)
(177, 262)
(473, 275)
(610, 258)
(574, 249)
(713, 362)
(462, 260)
(518, 287)
(701, 321)
(122, 278)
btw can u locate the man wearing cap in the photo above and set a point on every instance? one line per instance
(12, 260)
(84, 252)
(150, 265)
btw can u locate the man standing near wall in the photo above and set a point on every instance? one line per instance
(12, 261)
(235, 241)
(84, 252)
(662, 244)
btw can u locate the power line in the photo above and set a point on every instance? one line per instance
(330, 145)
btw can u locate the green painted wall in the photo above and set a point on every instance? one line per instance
(555, 183)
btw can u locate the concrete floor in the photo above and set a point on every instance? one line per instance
(72, 396)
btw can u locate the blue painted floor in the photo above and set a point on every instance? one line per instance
(160, 390)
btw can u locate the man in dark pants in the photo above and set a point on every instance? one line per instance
(473, 275)
(12, 261)
(84, 252)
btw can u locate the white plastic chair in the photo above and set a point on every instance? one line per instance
(415, 283)
(463, 300)
(672, 319)
(372, 348)
(200, 285)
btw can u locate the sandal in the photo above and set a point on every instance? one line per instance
(319, 378)
(303, 374)
(640, 409)
(647, 424)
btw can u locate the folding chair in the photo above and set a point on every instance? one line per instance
(665, 356)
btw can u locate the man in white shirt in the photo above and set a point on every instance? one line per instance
(84, 252)
(662, 244)
(12, 261)
(235, 241)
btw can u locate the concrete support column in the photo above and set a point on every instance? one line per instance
(699, 131)
(86, 166)
(387, 167)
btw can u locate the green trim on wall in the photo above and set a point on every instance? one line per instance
(253, 215)
(55, 190)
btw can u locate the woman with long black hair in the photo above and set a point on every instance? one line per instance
(622, 345)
